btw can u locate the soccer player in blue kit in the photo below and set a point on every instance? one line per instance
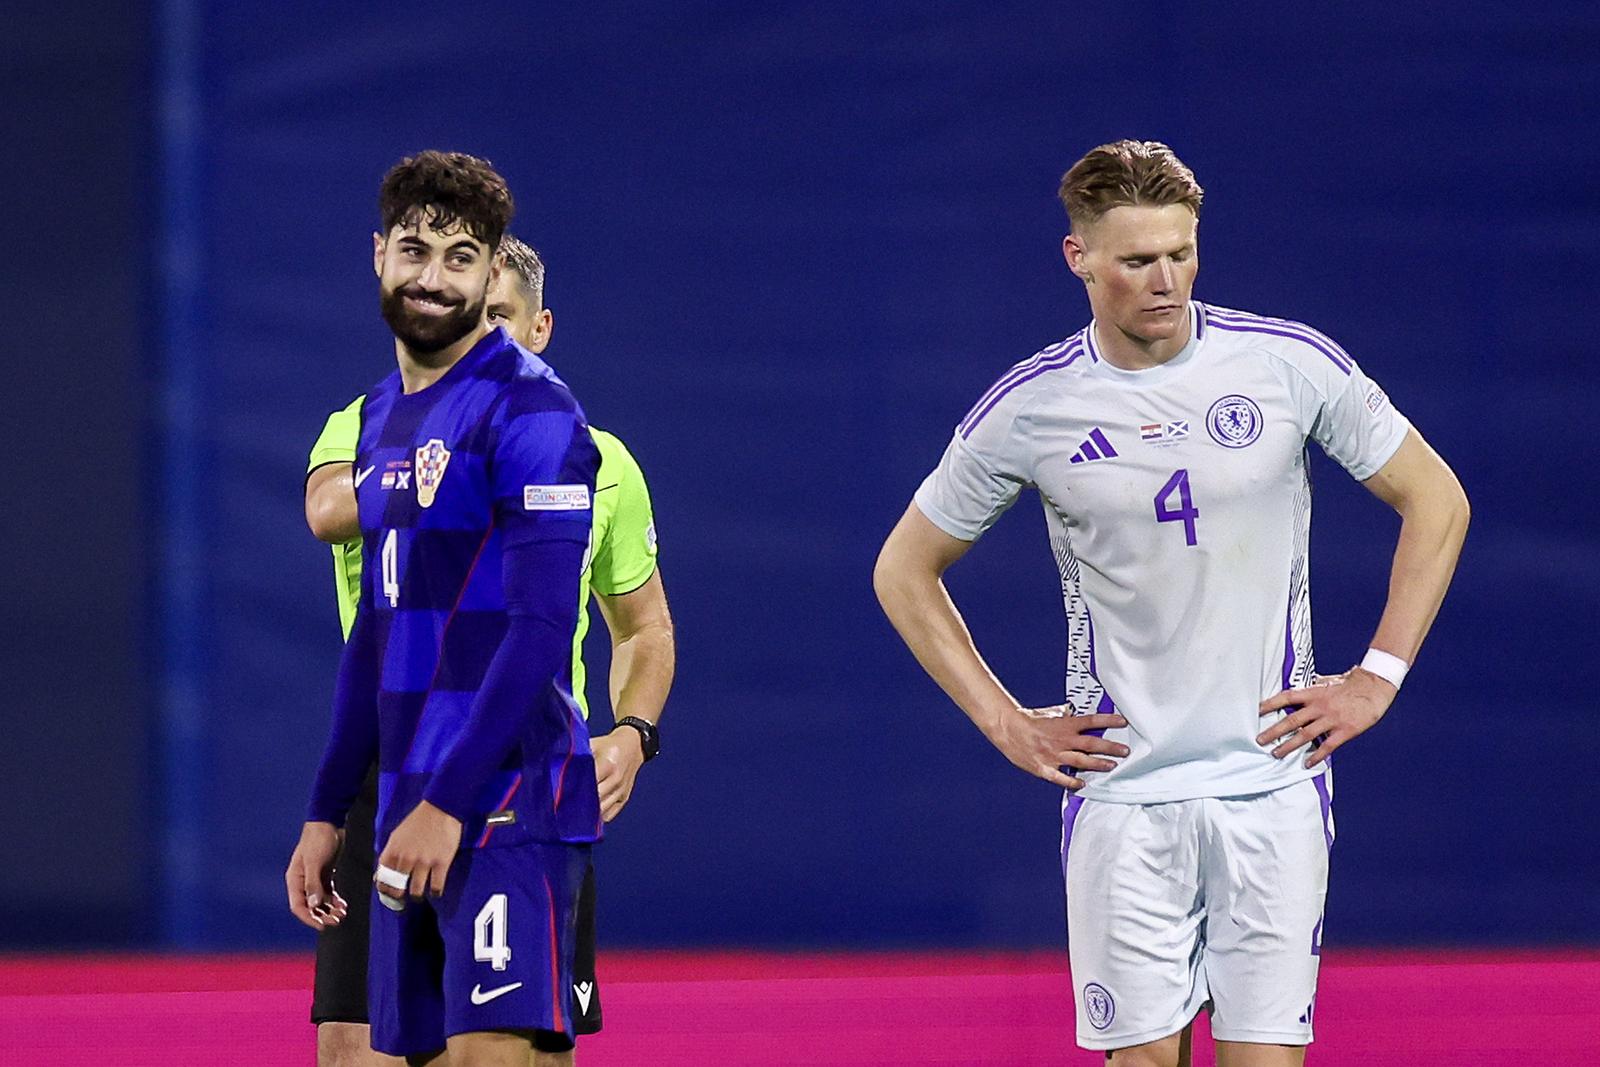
(1167, 442)
(475, 521)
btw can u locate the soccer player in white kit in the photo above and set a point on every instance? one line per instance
(1167, 442)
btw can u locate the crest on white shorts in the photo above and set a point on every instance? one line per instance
(1098, 1005)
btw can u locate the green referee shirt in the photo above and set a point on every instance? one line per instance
(622, 545)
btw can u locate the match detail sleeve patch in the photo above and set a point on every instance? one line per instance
(555, 498)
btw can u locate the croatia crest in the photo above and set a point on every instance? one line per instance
(432, 458)
(1234, 421)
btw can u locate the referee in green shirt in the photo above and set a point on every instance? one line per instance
(621, 572)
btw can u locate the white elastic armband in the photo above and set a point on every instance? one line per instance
(1390, 668)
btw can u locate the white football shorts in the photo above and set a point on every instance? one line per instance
(1219, 900)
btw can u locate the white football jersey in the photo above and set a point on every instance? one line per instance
(1179, 512)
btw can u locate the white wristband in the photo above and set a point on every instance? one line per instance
(1390, 668)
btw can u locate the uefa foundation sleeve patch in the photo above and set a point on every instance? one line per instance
(555, 497)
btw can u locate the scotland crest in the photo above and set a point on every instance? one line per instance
(432, 458)
(1234, 421)
(1098, 1005)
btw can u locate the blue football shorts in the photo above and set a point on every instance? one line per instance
(494, 952)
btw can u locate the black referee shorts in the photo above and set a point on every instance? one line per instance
(340, 991)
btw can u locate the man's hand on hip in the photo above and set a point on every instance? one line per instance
(1042, 741)
(1330, 712)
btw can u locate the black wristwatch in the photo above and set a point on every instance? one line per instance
(648, 734)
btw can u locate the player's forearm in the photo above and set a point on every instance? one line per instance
(542, 608)
(1433, 527)
(643, 649)
(921, 611)
(525, 663)
(353, 740)
(642, 666)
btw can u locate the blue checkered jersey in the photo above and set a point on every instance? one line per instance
(475, 501)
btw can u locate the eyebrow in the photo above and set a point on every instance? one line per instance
(1186, 247)
(413, 239)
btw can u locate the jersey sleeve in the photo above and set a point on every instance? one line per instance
(1343, 410)
(983, 470)
(542, 475)
(337, 442)
(626, 557)
(353, 740)
(543, 468)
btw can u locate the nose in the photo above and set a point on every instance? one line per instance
(1163, 277)
(432, 275)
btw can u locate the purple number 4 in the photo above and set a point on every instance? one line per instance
(1185, 512)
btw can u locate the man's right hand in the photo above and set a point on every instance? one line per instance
(1042, 741)
(309, 878)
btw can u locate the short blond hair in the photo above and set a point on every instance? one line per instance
(524, 261)
(1127, 174)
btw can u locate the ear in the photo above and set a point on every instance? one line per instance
(1073, 252)
(377, 253)
(544, 324)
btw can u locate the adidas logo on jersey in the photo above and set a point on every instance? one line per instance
(1096, 447)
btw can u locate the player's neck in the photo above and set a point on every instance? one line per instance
(418, 370)
(1127, 352)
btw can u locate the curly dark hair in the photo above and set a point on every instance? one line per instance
(444, 188)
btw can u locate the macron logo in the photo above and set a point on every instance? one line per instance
(482, 996)
(361, 476)
(1096, 447)
(585, 993)
(555, 497)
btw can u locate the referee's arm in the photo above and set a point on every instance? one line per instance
(643, 659)
(331, 503)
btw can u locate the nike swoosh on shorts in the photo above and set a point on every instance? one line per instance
(480, 996)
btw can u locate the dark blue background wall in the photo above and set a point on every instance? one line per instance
(74, 547)
(788, 245)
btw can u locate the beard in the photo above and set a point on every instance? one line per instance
(426, 334)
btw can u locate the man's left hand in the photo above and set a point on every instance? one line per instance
(617, 759)
(1330, 712)
(422, 848)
